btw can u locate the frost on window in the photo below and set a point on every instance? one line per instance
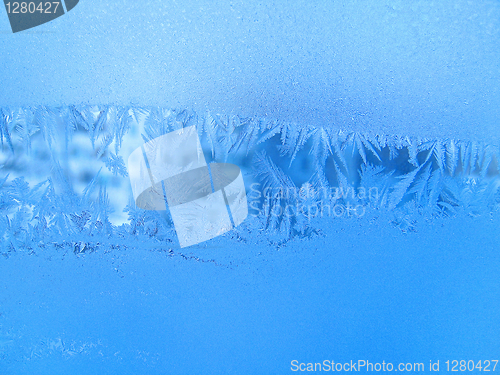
(64, 178)
(171, 171)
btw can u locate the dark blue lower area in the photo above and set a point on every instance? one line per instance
(360, 291)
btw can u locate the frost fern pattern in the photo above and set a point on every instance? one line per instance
(43, 202)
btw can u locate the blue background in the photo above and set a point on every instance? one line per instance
(364, 290)
(425, 68)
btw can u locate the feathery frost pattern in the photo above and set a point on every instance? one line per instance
(292, 174)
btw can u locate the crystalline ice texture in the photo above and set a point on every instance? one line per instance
(174, 164)
(201, 219)
(228, 178)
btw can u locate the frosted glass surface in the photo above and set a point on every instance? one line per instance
(221, 187)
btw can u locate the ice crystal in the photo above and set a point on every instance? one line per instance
(41, 202)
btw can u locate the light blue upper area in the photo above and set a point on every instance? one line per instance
(394, 67)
